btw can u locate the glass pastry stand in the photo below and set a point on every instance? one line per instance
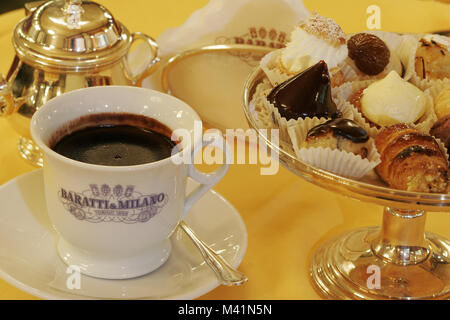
(398, 260)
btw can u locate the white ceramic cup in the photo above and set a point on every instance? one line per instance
(114, 222)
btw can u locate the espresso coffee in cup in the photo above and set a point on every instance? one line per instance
(114, 139)
(114, 191)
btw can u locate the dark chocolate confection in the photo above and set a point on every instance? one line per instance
(305, 95)
(341, 127)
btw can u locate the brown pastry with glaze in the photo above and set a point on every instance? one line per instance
(441, 130)
(410, 160)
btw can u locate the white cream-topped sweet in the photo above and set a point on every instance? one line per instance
(393, 100)
(302, 54)
(317, 38)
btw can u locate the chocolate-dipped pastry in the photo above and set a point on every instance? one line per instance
(441, 130)
(345, 128)
(305, 95)
(341, 134)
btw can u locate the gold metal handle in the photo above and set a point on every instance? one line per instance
(149, 68)
(225, 273)
(6, 98)
(31, 6)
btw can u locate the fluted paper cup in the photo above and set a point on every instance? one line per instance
(340, 162)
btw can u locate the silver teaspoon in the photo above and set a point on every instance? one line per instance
(226, 274)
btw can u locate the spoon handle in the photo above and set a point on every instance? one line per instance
(226, 274)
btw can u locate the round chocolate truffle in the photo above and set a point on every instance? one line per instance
(370, 53)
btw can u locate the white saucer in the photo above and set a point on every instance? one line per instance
(28, 258)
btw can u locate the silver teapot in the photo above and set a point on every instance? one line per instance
(62, 46)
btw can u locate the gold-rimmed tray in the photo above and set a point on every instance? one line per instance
(210, 79)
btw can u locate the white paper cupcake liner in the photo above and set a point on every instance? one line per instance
(346, 91)
(425, 84)
(359, 118)
(437, 86)
(406, 51)
(442, 147)
(339, 162)
(271, 66)
(392, 39)
(429, 118)
(262, 115)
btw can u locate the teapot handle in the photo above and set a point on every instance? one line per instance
(6, 98)
(150, 66)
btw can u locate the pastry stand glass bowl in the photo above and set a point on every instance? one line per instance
(398, 260)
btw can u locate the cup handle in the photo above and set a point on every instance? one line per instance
(151, 65)
(207, 180)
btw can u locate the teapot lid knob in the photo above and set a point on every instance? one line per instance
(72, 12)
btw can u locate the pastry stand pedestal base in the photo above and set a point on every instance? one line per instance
(30, 151)
(397, 261)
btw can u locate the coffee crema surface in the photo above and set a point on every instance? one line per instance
(114, 139)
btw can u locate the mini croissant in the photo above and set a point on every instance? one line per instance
(411, 160)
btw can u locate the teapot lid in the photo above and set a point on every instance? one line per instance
(70, 35)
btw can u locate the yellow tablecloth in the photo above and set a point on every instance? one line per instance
(286, 217)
